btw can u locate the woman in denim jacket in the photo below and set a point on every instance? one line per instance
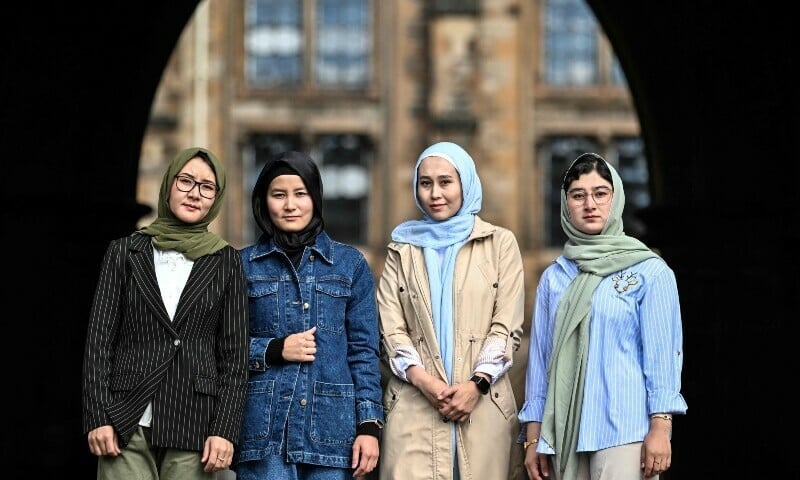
(313, 407)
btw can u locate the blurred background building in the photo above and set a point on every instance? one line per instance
(365, 85)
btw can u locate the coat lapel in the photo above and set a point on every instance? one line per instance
(204, 270)
(143, 271)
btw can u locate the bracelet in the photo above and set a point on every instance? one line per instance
(662, 416)
(528, 444)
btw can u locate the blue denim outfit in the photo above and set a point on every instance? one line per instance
(314, 407)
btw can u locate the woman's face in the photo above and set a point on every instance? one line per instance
(192, 206)
(589, 202)
(439, 188)
(289, 204)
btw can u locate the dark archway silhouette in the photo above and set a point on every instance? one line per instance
(78, 83)
(719, 112)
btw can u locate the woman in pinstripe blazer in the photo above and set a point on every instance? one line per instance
(165, 364)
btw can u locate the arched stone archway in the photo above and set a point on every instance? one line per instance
(717, 108)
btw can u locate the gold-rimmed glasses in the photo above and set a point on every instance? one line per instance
(600, 195)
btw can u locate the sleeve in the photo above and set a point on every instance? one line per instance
(497, 354)
(662, 344)
(104, 321)
(361, 319)
(274, 353)
(232, 353)
(539, 349)
(397, 344)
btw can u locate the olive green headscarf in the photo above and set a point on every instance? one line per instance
(191, 239)
(597, 256)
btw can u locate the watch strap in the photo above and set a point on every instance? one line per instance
(482, 383)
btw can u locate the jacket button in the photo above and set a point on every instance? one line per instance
(303, 402)
(311, 258)
(305, 306)
(177, 342)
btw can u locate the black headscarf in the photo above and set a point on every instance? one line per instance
(289, 163)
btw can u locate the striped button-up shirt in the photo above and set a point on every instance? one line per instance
(635, 352)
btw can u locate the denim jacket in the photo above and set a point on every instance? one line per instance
(315, 406)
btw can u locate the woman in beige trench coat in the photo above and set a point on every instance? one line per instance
(451, 300)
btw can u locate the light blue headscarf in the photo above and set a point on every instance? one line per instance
(444, 238)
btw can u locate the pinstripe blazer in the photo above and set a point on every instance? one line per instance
(193, 368)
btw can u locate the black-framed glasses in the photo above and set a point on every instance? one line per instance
(600, 195)
(186, 184)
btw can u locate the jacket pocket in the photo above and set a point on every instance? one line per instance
(206, 385)
(263, 301)
(332, 296)
(333, 413)
(257, 410)
(391, 394)
(503, 397)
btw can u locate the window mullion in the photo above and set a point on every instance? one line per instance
(310, 37)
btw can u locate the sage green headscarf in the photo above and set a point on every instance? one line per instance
(596, 256)
(191, 239)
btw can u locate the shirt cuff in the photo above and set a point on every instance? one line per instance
(274, 353)
(370, 427)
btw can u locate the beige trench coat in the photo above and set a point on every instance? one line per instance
(488, 303)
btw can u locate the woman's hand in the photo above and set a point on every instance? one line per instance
(536, 464)
(426, 383)
(365, 455)
(300, 347)
(656, 448)
(458, 401)
(217, 454)
(103, 441)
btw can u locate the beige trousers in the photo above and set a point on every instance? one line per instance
(615, 463)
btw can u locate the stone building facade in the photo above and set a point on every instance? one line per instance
(366, 85)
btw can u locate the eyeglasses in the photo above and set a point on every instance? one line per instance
(186, 184)
(601, 196)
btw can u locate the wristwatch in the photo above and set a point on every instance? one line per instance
(482, 383)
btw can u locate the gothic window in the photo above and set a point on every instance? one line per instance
(308, 44)
(571, 57)
(577, 54)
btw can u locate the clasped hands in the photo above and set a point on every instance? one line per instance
(453, 402)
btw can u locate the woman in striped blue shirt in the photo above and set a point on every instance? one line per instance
(604, 367)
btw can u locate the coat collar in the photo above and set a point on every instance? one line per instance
(323, 247)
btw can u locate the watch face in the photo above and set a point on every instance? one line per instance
(482, 383)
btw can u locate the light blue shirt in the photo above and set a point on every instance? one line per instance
(635, 353)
